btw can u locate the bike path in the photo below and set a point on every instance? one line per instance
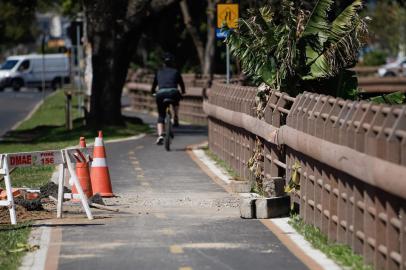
(173, 216)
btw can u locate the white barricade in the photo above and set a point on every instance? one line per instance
(63, 158)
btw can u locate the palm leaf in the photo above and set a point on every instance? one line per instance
(395, 98)
(268, 74)
(343, 23)
(338, 55)
(311, 54)
(345, 38)
(317, 23)
(254, 43)
(320, 68)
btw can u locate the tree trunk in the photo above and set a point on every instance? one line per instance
(110, 62)
(192, 32)
(113, 31)
(210, 49)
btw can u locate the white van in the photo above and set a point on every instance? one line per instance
(27, 70)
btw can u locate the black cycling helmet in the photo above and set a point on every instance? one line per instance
(168, 58)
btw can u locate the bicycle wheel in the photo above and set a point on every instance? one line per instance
(168, 131)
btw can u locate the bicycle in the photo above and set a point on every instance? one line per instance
(168, 123)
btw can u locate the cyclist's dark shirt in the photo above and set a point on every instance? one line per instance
(168, 77)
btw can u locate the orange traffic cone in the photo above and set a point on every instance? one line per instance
(82, 142)
(82, 171)
(99, 174)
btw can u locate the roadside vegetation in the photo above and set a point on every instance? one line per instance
(293, 49)
(341, 254)
(12, 238)
(45, 130)
(222, 164)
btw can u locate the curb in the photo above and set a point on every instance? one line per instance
(252, 207)
(36, 260)
(300, 247)
(314, 259)
(221, 174)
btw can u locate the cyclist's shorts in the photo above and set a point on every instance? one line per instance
(162, 94)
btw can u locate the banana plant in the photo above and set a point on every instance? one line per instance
(293, 49)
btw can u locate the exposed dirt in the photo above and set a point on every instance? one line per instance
(197, 201)
(96, 198)
(24, 215)
(30, 205)
(51, 189)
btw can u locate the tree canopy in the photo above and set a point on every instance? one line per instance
(292, 48)
(309, 41)
(16, 19)
(388, 25)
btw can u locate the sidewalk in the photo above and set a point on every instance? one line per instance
(173, 216)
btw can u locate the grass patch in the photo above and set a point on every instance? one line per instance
(45, 130)
(342, 254)
(10, 238)
(221, 163)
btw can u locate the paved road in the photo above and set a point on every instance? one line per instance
(174, 217)
(15, 106)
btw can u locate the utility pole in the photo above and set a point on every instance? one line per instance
(79, 59)
(43, 64)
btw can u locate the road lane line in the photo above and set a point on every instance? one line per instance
(175, 249)
(160, 216)
(167, 231)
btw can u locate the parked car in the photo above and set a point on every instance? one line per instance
(28, 70)
(393, 69)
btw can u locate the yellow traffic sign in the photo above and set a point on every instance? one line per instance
(227, 14)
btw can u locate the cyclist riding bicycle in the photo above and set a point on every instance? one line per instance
(167, 79)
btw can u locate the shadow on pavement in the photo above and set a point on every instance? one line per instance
(39, 225)
(187, 130)
(56, 133)
(67, 225)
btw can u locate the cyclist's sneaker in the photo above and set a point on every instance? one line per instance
(175, 122)
(160, 140)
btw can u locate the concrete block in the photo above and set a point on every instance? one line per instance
(274, 187)
(240, 186)
(272, 207)
(247, 207)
